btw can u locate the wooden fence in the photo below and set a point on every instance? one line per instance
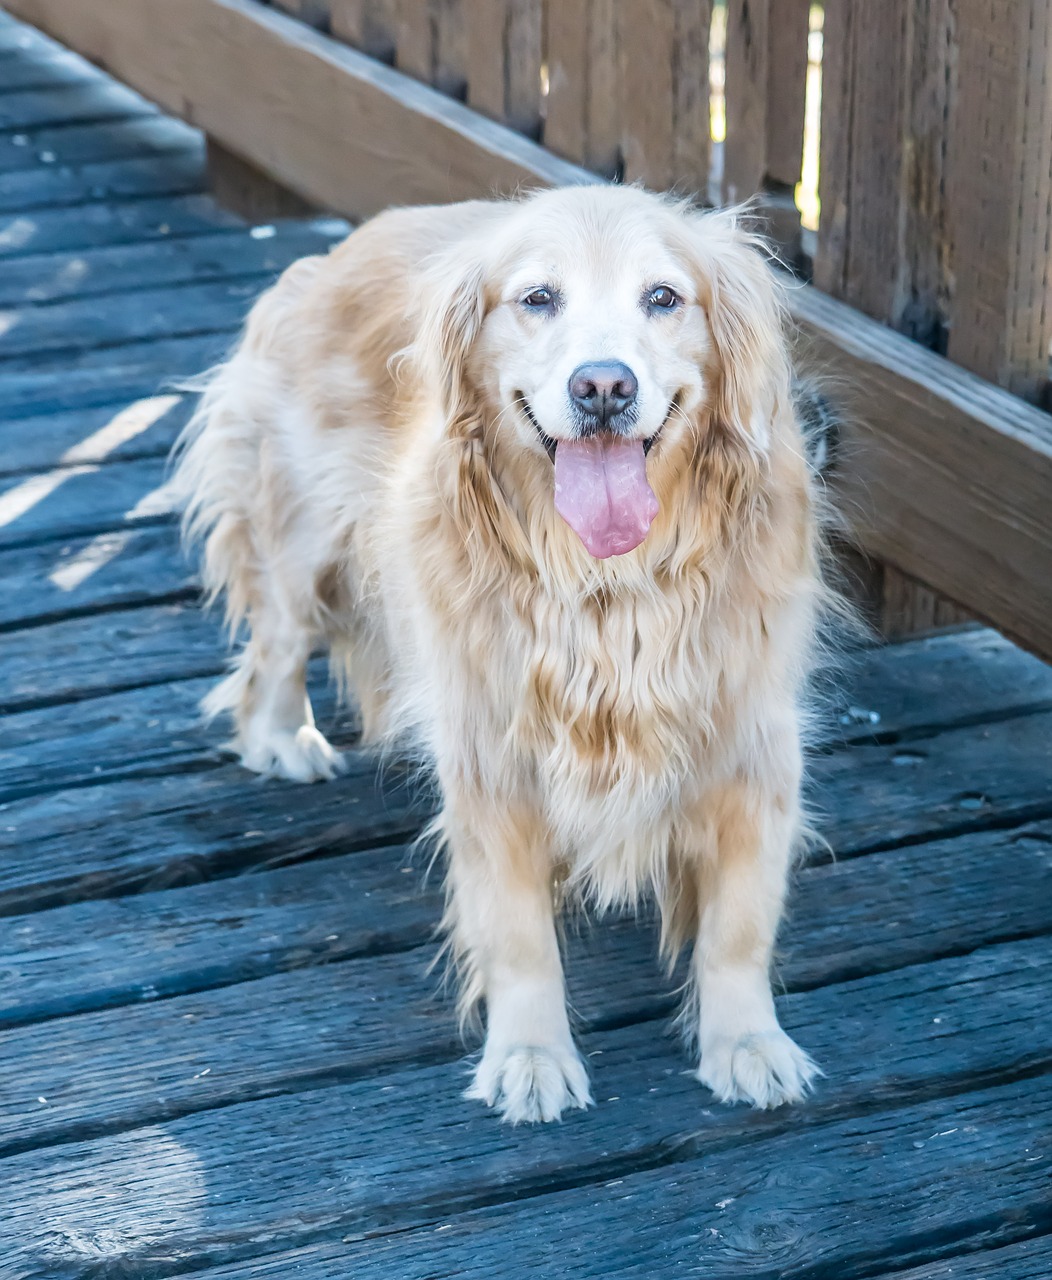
(924, 127)
(935, 141)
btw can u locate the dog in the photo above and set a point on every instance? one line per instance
(530, 470)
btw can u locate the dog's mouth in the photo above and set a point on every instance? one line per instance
(601, 487)
(550, 444)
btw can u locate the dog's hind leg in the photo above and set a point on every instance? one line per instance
(267, 694)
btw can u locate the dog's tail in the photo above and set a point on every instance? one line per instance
(215, 468)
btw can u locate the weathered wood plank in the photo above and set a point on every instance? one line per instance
(42, 64)
(370, 25)
(999, 183)
(95, 954)
(83, 657)
(953, 679)
(77, 145)
(99, 225)
(50, 748)
(325, 120)
(451, 23)
(78, 500)
(93, 101)
(962, 779)
(157, 832)
(172, 173)
(1028, 1260)
(945, 476)
(135, 315)
(146, 427)
(169, 260)
(746, 61)
(69, 579)
(647, 65)
(944, 1172)
(105, 374)
(566, 122)
(691, 135)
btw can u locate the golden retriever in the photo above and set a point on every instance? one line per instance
(530, 470)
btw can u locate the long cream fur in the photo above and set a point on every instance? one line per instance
(364, 476)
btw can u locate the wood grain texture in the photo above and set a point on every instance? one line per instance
(167, 260)
(844, 923)
(787, 36)
(943, 475)
(369, 25)
(314, 101)
(566, 123)
(647, 59)
(101, 224)
(746, 60)
(1000, 194)
(669, 1218)
(79, 576)
(181, 172)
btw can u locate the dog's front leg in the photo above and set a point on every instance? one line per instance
(752, 829)
(504, 939)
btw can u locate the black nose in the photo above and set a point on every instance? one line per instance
(603, 389)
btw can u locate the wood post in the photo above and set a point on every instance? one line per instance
(1000, 184)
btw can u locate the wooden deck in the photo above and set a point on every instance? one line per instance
(222, 1054)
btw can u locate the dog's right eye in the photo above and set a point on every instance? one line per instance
(542, 299)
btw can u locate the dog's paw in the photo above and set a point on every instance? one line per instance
(765, 1068)
(527, 1083)
(303, 756)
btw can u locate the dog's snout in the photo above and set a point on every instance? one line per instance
(603, 389)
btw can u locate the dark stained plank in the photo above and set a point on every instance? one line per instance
(67, 579)
(845, 922)
(177, 829)
(955, 1022)
(73, 501)
(141, 428)
(870, 797)
(1028, 1260)
(961, 779)
(169, 261)
(84, 102)
(101, 224)
(84, 144)
(908, 686)
(53, 747)
(908, 1184)
(133, 316)
(83, 657)
(177, 172)
(103, 375)
(40, 69)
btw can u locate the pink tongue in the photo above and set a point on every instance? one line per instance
(601, 492)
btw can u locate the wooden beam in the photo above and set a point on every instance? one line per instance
(336, 127)
(944, 475)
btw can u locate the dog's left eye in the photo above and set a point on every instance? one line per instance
(662, 298)
(542, 299)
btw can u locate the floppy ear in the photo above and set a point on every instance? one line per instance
(746, 314)
(453, 306)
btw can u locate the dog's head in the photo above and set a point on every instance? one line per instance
(607, 335)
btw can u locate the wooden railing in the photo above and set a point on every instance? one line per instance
(925, 126)
(936, 132)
